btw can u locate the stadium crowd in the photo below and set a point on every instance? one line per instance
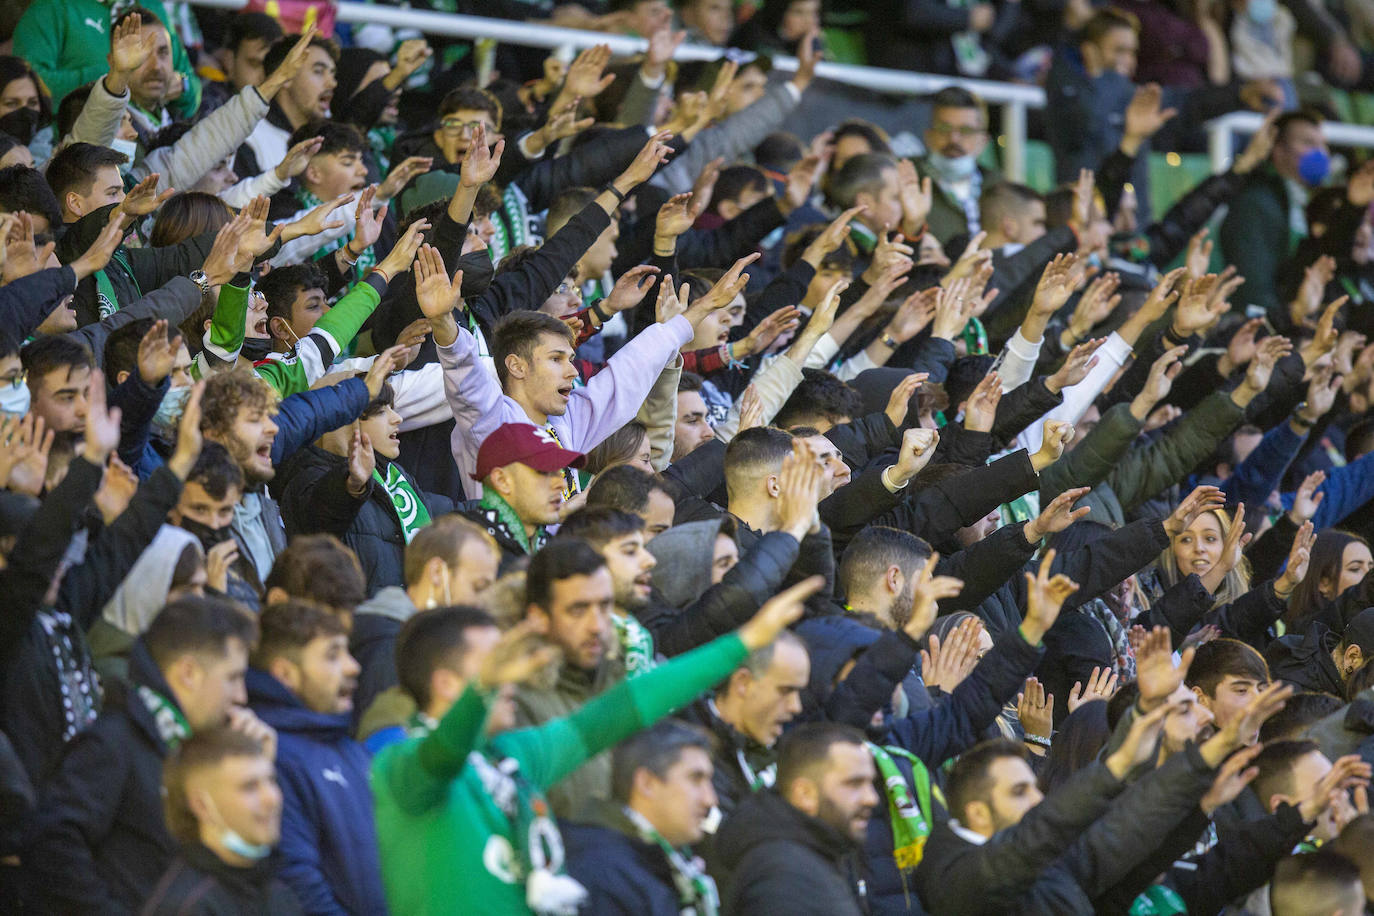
(445, 478)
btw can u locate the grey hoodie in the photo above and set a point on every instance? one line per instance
(684, 554)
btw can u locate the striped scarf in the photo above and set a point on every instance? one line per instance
(366, 261)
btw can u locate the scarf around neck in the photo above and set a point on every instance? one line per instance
(405, 501)
(696, 891)
(366, 261)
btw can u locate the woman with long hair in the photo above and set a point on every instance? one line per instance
(1340, 559)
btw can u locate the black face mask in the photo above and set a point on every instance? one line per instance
(477, 272)
(208, 537)
(21, 124)
(256, 348)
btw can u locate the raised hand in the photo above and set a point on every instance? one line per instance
(1035, 709)
(1235, 774)
(290, 66)
(410, 56)
(718, 101)
(257, 239)
(653, 154)
(750, 409)
(157, 354)
(129, 49)
(399, 258)
(631, 288)
(1160, 297)
(799, 492)
(783, 321)
(24, 449)
(1261, 369)
(801, 178)
(974, 259)
(1244, 729)
(947, 665)
(1096, 304)
(1199, 254)
(316, 220)
(585, 77)
(362, 461)
(1196, 311)
(1298, 557)
(1101, 686)
(298, 157)
(1257, 151)
(189, 437)
(368, 219)
(1045, 597)
(724, 291)
(1057, 283)
(1241, 348)
(1155, 672)
(1055, 437)
(918, 447)
(671, 302)
(517, 658)
(480, 163)
(1058, 515)
(101, 250)
(227, 255)
(1203, 499)
(102, 423)
(778, 613)
(886, 254)
(401, 175)
(1324, 341)
(675, 217)
(1144, 116)
(1142, 741)
(1308, 498)
(928, 590)
(242, 719)
(916, 195)
(22, 254)
(705, 186)
(143, 198)
(1321, 395)
(218, 561)
(437, 293)
(1231, 548)
(1159, 381)
(1315, 278)
(117, 488)
(981, 408)
(953, 306)
(899, 401)
(383, 364)
(831, 238)
(1080, 361)
(912, 316)
(807, 57)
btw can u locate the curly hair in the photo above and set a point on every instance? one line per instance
(229, 392)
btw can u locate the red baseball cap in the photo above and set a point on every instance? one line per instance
(530, 445)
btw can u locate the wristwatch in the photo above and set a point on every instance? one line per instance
(199, 279)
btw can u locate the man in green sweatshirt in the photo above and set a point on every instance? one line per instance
(462, 819)
(67, 41)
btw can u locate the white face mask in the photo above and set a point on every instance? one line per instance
(15, 399)
(129, 148)
(235, 843)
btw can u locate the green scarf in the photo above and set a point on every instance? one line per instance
(975, 338)
(366, 261)
(172, 726)
(911, 818)
(107, 300)
(636, 645)
(381, 139)
(512, 229)
(492, 502)
(696, 891)
(410, 509)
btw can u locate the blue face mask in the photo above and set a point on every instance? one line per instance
(1262, 11)
(241, 847)
(170, 410)
(1314, 166)
(14, 399)
(960, 168)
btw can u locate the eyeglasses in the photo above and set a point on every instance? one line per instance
(465, 126)
(963, 133)
(569, 289)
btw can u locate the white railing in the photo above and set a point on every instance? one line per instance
(1221, 134)
(1013, 99)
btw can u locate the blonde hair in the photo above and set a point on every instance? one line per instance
(1237, 581)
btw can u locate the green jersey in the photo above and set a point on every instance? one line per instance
(447, 845)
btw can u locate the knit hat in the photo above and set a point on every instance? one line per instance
(1360, 632)
(353, 66)
(527, 444)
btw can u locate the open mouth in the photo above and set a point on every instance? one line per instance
(325, 99)
(265, 451)
(565, 391)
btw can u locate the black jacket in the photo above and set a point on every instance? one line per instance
(728, 778)
(198, 883)
(1305, 660)
(1083, 839)
(783, 861)
(35, 674)
(623, 875)
(99, 843)
(723, 607)
(315, 499)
